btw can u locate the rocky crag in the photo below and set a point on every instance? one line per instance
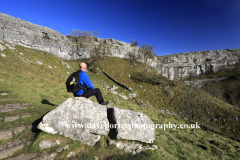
(23, 33)
(195, 63)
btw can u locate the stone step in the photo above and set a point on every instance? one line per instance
(60, 149)
(46, 156)
(11, 144)
(9, 152)
(15, 106)
(5, 135)
(24, 156)
(18, 130)
(4, 94)
(5, 99)
(13, 118)
(8, 134)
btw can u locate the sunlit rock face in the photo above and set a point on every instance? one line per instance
(195, 63)
(23, 33)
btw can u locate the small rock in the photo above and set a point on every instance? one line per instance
(25, 115)
(10, 151)
(12, 48)
(38, 62)
(28, 143)
(47, 144)
(18, 130)
(7, 119)
(3, 147)
(24, 156)
(46, 156)
(4, 94)
(2, 48)
(71, 154)
(5, 135)
(169, 93)
(62, 148)
(131, 146)
(3, 55)
(67, 65)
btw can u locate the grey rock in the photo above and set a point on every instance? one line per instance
(3, 55)
(169, 92)
(113, 88)
(46, 156)
(67, 65)
(71, 154)
(28, 143)
(10, 151)
(13, 118)
(126, 124)
(12, 107)
(5, 99)
(33, 36)
(131, 146)
(5, 135)
(25, 115)
(24, 156)
(2, 48)
(48, 144)
(78, 118)
(18, 130)
(38, 62)
(12, 48)
(3, 147)
(62, 148)
(13, 143)
(195, 63)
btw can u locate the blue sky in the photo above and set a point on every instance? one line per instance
(172, 26)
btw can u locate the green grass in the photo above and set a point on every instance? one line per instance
(45, 89)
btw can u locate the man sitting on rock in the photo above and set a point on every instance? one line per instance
(85, 80)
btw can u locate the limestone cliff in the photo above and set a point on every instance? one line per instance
(30, 35)
(195, 63)
(23, 33)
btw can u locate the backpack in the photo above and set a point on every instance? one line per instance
(72, 83)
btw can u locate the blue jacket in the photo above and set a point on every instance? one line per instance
(84, 79)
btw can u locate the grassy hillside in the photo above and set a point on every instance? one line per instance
(227, 90)
(195, 104)
(44, 87)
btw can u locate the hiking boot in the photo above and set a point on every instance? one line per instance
(105, 103)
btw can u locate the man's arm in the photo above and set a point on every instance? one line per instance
(87, 81)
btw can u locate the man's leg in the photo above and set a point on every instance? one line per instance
(95, 92)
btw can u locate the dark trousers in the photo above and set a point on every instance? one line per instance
(92, 92)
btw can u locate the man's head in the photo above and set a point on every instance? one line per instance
(83, 66)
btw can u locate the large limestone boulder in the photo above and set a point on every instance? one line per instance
(126, 124)
(78, 118)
